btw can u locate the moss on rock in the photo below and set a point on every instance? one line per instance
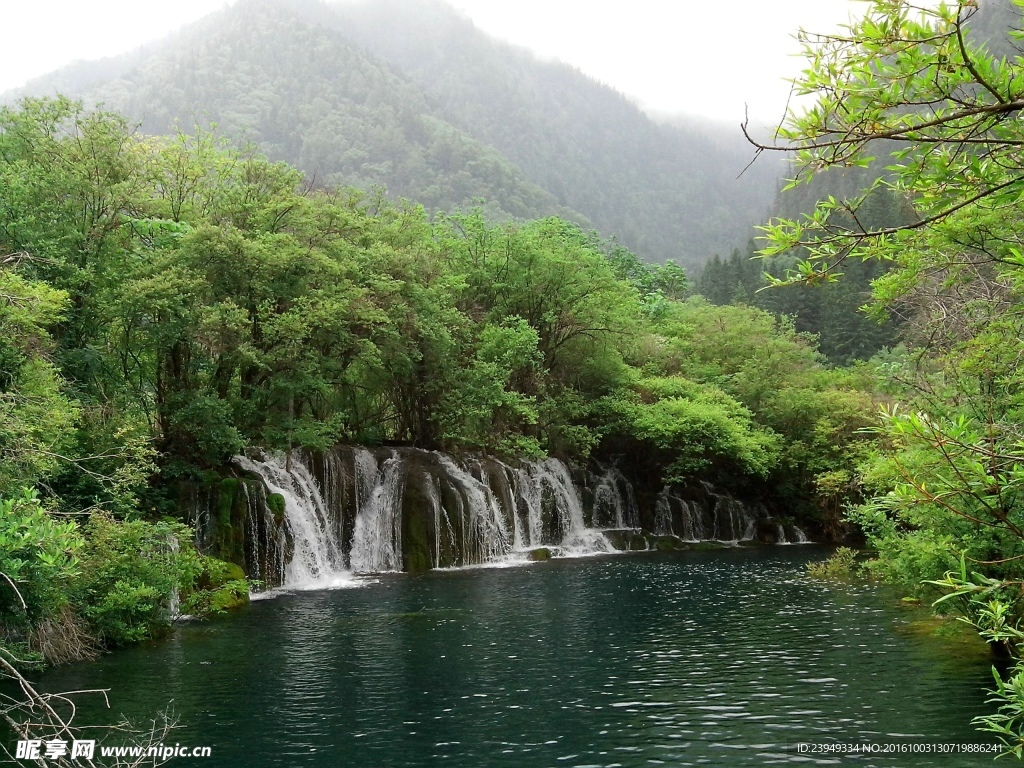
(628, 540)
(707, 545)
(276, 503)
(416, 525)
(667, 543)
(230, 597)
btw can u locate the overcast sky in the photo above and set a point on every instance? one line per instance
(676, 56)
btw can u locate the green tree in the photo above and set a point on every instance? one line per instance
(961, 154)
(913, 86)
(36, 413)
(38, 557)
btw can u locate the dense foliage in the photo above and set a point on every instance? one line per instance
(167, 302)
(170, 301)
(943, 489)
(832, 311)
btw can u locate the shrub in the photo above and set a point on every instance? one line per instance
(839, 565)
(131, 571)
(38, 558)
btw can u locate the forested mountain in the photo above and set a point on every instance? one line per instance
(408, 94)
(666, 190)
(833, 312)
(270, 73)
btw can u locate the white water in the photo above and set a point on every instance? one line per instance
(485, 535)
(799, 537)
(174, 603)
(266, 541)
(503, 514)
(377, 539)
(552, 475)
(473, 522)
(724, 519)
(615, 504)
(316, 561)
(481, 513)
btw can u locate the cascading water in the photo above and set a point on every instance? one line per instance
(720, 518)
(357, 510)
(552, 477)
(317, 561)
(377, 539)
(174, 602)
(796, 536)
(615, 504)
(485, 535)
(444, 533)
(266, 539)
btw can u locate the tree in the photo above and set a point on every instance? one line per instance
(35, 413)
(911, 85)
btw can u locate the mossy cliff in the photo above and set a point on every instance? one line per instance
(424, 509)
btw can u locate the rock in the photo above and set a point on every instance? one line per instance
(708, 545)
(416, 522)
(667, 543)
(628, 539)
(540, 554)
(275, 501)
(228, 598)
(218, 573)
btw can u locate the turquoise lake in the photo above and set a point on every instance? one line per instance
(721, 658)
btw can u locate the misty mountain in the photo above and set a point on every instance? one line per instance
(410, 95)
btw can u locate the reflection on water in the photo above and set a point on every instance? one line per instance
(715, 658)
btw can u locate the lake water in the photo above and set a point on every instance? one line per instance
(698, 658)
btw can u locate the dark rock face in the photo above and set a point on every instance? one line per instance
(308, 516)
(237, 521)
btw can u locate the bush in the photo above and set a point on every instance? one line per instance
(841, 564)
(131, 571)
(221, 587)
(38, 558)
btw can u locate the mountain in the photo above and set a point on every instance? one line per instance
(410, 95)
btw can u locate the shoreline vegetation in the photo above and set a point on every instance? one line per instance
(168, 302)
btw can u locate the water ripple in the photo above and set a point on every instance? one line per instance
(721, 658)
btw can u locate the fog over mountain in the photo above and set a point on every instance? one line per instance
(411, 96)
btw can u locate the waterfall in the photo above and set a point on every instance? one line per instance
(693, 526)
(485, 535)
(797, 536)
(529, 498)
(266, 540)
(357, 510)
(550, 493)
(720, 518)
(174, 601)
(444, 533)
(789, 534)
(316, 561)
(663, 515)
(377, 539)
(344, 513)
(615, 504)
